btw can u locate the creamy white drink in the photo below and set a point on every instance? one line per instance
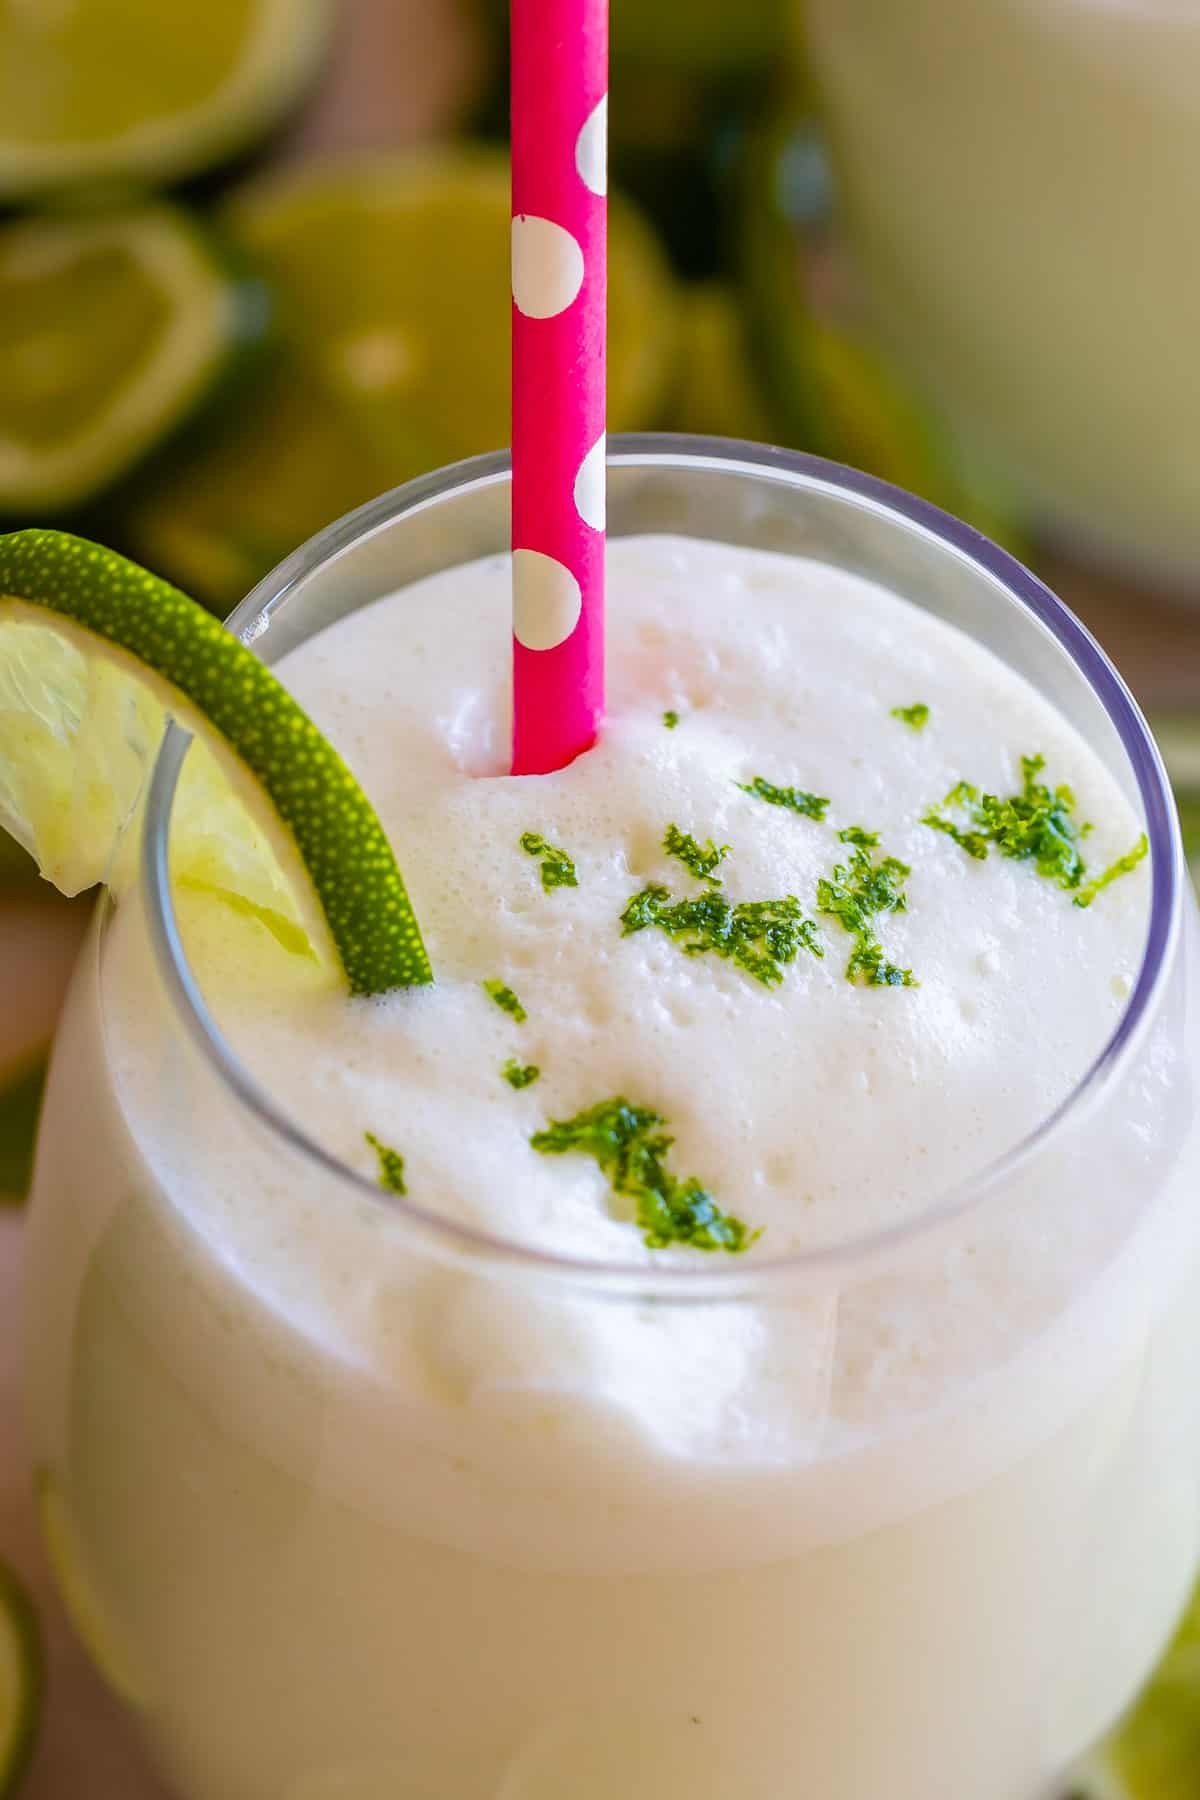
(359, 1507)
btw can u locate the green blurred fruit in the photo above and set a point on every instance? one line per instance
(1178, 738)
(115, 329)
(138, 91)
(21, 1681)
(718, 395)
(392, 273)
(1155, 1754)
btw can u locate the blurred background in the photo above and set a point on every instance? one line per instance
(254, 270)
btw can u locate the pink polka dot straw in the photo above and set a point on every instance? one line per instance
(559, 278)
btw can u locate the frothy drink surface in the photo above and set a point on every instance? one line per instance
(407, 1522)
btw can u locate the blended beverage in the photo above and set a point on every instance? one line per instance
(395, 1489)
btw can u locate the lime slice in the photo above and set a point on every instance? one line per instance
(94, 655)
(114, 327)
(101, 1634)
(120, 90)
(20, 1681)
(393, 279)
(1155, 1755)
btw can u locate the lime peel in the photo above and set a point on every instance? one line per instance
(115, 327)
(335, 831)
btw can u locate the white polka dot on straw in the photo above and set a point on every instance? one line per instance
(546, 600)
(589, 486)
(591, 149)
(547, 266)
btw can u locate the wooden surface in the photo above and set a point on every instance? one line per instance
(404, 69)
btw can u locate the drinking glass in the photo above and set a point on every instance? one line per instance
(1018, 180)
(326, 1553)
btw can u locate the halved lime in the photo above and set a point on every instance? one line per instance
(20, 1680)
(95, 654)
(114, 327)
(392, 272)
(1155, 1755)
(134, 90)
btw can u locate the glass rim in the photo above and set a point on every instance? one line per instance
(735, 1278)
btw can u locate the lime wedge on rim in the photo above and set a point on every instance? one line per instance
(95, 655)
(392, 276)
(20, 1680)
(114, 328)
(134, 90)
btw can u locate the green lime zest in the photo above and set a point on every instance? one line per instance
(1124, 865)
(760, 936)
(391, 1165)
(700, 859)
(1035, 825)
(670, 719)
(336, 833)
(631, 1150)
(916, 715)
(797, 800)
(858, 892)
(557, 868)
(506, 1000)
(519, 1075)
